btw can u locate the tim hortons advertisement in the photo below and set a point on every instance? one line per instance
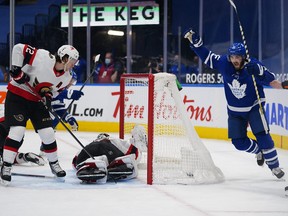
(205, 106)
(104, 106)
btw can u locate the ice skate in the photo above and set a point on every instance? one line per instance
(278, 172)
(57, 170)
(6, 173)
(260, 158)
(34, 158)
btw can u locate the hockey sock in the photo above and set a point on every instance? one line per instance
(246, 144)
(10, 150)
(271, 158)
(50, 151)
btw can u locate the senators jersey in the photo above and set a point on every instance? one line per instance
(111, 147)
(39, 65)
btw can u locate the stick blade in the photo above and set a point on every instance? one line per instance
(232, 4)
(97, 58)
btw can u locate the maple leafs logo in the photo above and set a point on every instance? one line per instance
(237, 89)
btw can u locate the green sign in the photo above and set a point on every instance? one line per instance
(108, 14)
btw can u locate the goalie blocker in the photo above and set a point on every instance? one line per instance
(113, 158)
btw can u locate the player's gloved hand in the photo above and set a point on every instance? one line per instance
(285, 84)
(254, 69)
(72, 121)
(193, 37)
(74, 94)
(18, 75)
(46, 98)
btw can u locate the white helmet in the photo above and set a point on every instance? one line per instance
(68, 50)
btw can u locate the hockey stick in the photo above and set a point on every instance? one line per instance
(88, 78)
(58, 118)
(248, 59)
(33, 175)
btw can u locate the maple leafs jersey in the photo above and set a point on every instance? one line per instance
(39, 65)
(238, 85)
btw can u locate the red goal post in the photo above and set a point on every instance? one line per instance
(176, 154)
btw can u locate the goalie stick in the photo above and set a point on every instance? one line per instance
(59, 119)
(248, 59)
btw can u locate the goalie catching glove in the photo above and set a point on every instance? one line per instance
(139, 138)
(193, 37)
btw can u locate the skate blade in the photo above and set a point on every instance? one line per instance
(60, 179)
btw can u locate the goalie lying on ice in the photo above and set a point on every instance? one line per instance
(113, 158)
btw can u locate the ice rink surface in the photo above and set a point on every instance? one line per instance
(248, 189)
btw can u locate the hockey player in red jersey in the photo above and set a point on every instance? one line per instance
(47, 74)
(113, 158)
(20, 157)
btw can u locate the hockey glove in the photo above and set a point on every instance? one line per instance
(193, 37)
(72, 121)
(18, 75)
(255, 69)
(74, 94)
(285, 84)
(46, 99)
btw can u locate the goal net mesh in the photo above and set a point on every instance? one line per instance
(176, 154)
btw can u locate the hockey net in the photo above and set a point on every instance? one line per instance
(176, 154)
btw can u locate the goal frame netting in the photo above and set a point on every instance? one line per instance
(199, 150)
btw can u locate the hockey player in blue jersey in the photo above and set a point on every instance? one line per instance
(58, 104)
(243, 105)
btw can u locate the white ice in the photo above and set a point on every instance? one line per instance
(247, 190)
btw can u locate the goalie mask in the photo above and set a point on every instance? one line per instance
(72, 55)
(102, 136)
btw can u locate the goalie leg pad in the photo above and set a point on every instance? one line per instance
(91, 175)
(124, 167)
(93, 170)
